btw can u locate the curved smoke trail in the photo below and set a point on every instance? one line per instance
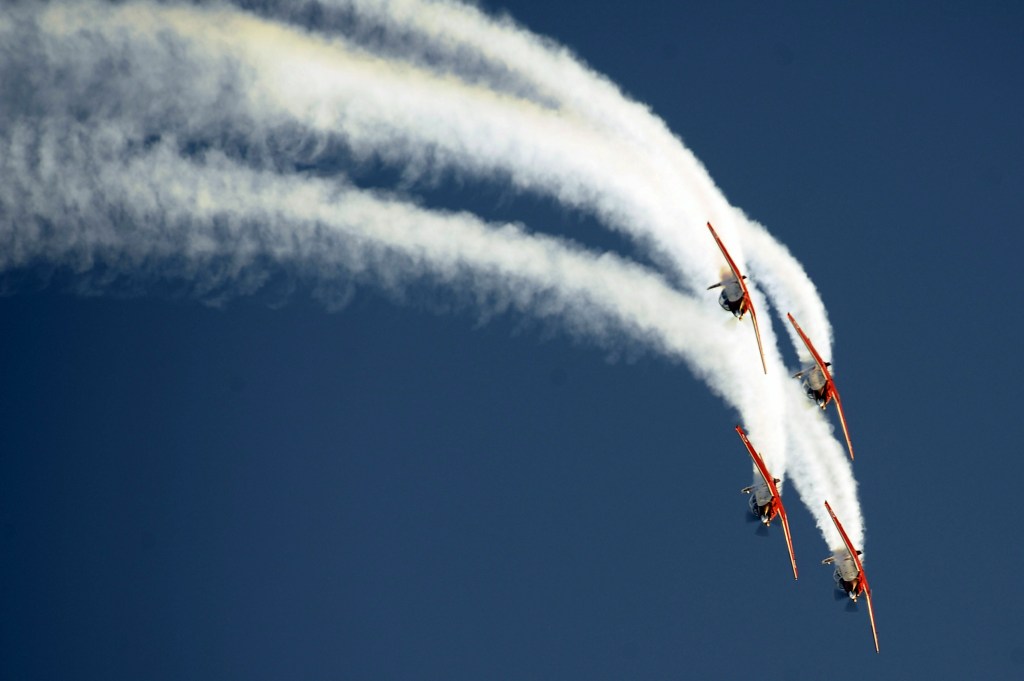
(121, 111)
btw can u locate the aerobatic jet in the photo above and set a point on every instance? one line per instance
(849, 573)
(765, 501)
(735, 296)
(818, 383)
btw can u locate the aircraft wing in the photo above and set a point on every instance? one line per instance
(746, 293)
(842, 419)
(810, 348)
(871, 610)
(846, 539)
(732, 265)
(789, 540)
(757, 330)
(777, 498)
(769, 480)
(860, 569)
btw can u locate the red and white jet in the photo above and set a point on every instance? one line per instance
(765, 500)
(818, 383)
(849, 574)
(735, 297)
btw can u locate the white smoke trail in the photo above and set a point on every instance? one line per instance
(131, 210)
(236, 82)
(382, 109)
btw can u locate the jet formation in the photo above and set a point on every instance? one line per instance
(816, 380)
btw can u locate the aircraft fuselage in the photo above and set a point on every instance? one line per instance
(760, 502)
(816, 386)
(847, 577)
(731, 298)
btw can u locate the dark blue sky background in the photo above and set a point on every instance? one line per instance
(389, 493)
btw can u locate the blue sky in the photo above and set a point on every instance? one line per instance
(393, 491)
